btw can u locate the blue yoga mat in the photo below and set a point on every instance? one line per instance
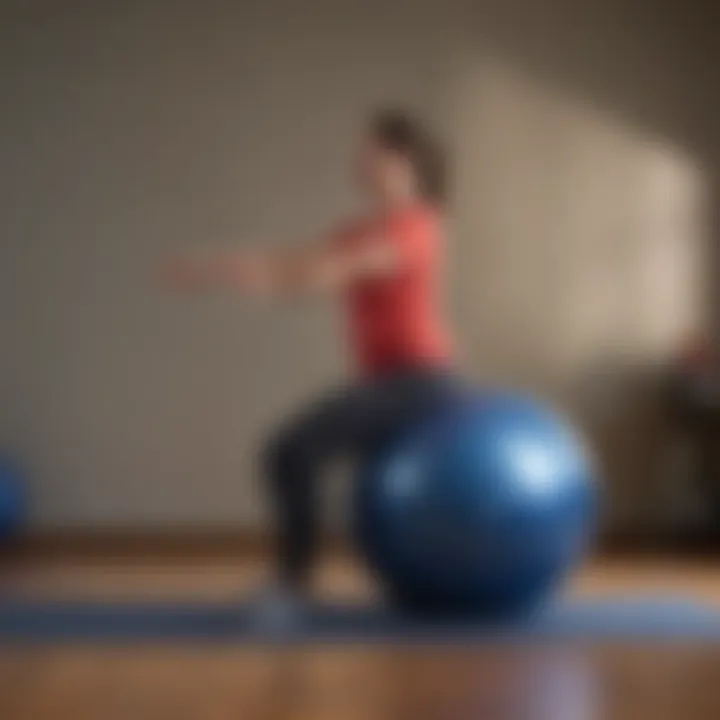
(602, 620)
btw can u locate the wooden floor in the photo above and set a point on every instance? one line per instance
(650, 682)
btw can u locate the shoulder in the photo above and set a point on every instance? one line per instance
(421, 220)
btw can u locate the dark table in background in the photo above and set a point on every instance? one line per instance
(694, 404)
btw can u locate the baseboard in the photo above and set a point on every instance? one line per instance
(202, 544)
(161, 544)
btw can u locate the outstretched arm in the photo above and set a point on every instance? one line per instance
(317, 267)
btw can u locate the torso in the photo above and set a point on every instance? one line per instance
(395, 321)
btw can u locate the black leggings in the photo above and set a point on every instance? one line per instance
(350, 421)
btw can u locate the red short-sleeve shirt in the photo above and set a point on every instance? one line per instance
(395, 320)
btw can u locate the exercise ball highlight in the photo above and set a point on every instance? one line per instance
(480, 509)
(13, 499)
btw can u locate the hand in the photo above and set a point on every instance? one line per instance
(252, 273)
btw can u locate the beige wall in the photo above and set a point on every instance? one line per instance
(130, 130)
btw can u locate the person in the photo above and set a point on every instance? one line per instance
(386, 265)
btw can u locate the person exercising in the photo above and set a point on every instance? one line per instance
(386, 265)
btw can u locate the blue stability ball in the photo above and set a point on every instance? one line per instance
(12, 499)
(481, 509)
